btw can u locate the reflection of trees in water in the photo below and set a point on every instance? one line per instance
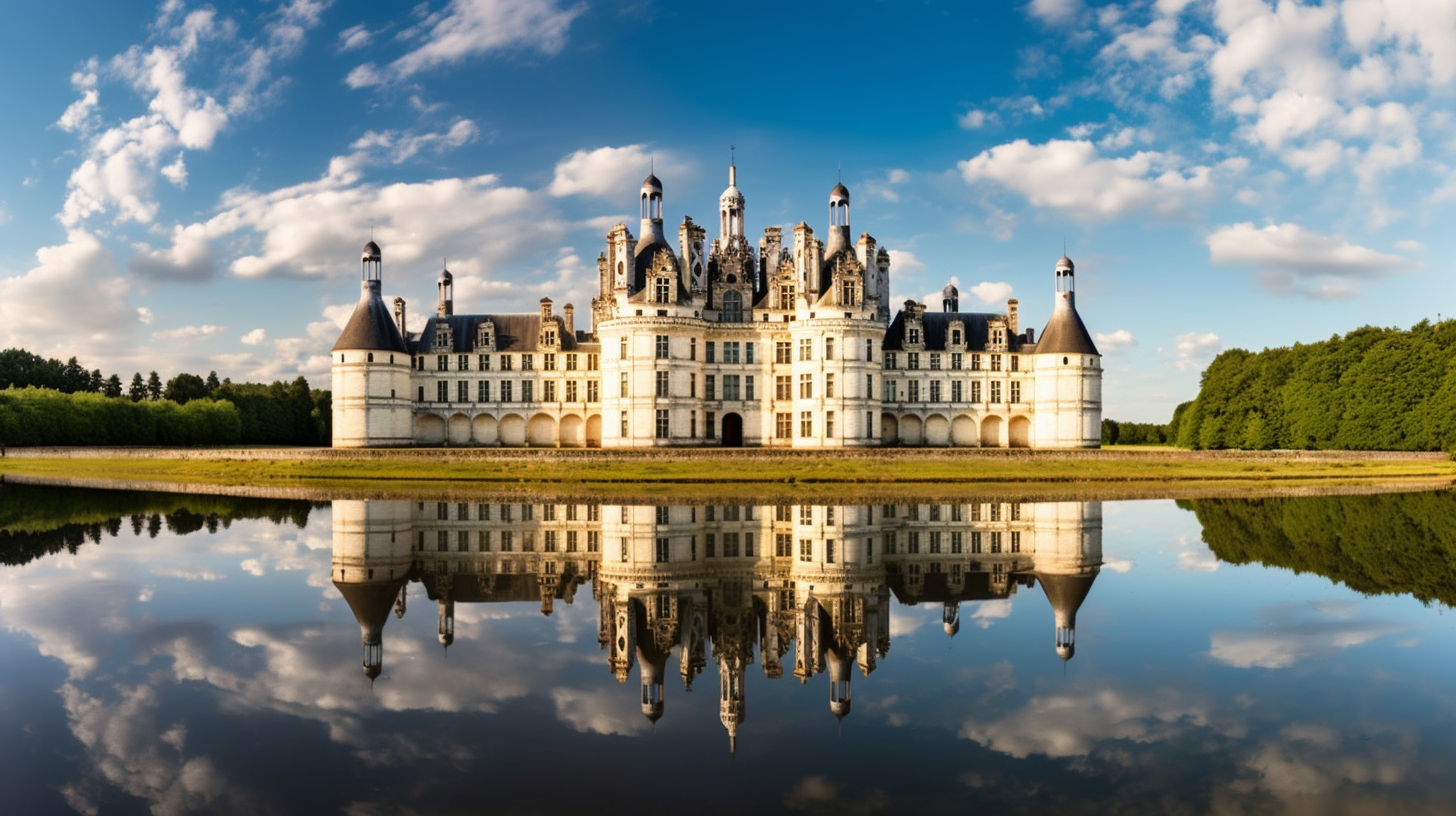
(1397, 544)
(40, 521)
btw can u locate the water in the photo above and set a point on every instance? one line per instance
(176, 654)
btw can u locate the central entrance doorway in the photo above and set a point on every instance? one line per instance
(732, 435)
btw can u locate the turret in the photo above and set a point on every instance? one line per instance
(446, 286)
(1068, 373)
(838, 238)
(371, 368)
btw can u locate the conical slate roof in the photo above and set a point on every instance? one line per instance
(371, 327)
(1065, 332)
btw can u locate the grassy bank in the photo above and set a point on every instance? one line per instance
(746, 474)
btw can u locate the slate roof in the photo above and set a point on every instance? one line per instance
(513, 333)
(371, 327)
(937, 329)
(1065, 333)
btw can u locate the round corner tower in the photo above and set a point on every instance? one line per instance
(371, 370)
(1068, 374)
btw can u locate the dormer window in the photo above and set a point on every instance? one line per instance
(662, 291)
(955, 337)
(850, 291)
(913, 336)
(550, 337)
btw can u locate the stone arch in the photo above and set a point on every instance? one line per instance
(911, 430)
(991, 432)
(571, 428)
(963, 432)
(889, 430)
(594, 431)
(513, 430)
(541, 431)
(1018, 432)
(485, 430)
(937, 431)
(458, 429)
(430, 430)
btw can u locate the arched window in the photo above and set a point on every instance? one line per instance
(732, 311)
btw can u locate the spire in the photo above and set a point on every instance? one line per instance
(731, 209)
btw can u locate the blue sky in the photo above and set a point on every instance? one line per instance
(185, 187)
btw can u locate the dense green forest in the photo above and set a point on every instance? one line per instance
(1135, 433)
(41, 521)
(1372, 389)
(1390, 544)
(47, 402)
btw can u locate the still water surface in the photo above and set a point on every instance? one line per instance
(172, 654)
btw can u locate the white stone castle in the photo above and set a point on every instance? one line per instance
(720, 345)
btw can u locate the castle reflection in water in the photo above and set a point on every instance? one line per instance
(741, 582)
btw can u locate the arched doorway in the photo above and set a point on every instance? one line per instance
(991, 432)
(732, 431)
(1018, 432)
(937, 431)
(429, 430)
(594, 431)
(963, 432)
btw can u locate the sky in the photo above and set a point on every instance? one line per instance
(187, 186)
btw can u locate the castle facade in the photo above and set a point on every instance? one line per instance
(787, 344)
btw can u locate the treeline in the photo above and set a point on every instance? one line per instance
(47, 402)
(1399, 543)
(39, 521)
(1373, 389)
(1134, 433)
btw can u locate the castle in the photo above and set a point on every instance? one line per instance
(720, 345)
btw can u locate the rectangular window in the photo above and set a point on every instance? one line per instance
(730, 545)
(571, 391)
(829, 386)
(1015, 363)
(572, 541)
(482, 391)
(693, 424)
(484, 541)
(485, 362)
(806, 549)
(593, 541)
(662, 551)
(748, 353)
(829, 423)
(548, 362)
(442, 362)
(507, 362)
(622, 355)
(829, 348)
(975, 392)
(462, 391)
(1015, 541)
(995, 542)
(692, 348)
(593, 391)
(912, 542)
(528, 362)
(462, 362)
(622, 386)
(710, 424)
(955, 391)
(975, 362)
(783, 387)
(692, 385)
(730, 386)
(806, 348)
(887, 546)
(593, 362)
(710, 386)
(730, 352)
(661, 423)
(806, 423)
(710, 352)
(995, 362)
(869, 350)
(914, 391)
(806, 386)
(806, 514)
(571, 362)
(1016, 390)
(955, 361)
(890, 360)
(662, 383)
(829, 551)
(748, 387)
(935, 362)
(661, 347)
(956, 543)
(622, 415)
(783, 351)
(912, 360)
(935, 390)
(548, 391)
(527, 391)
(783, 545)
(507, 541)
(935, 542)
(548, 541)
(624, 550)
(442, 391)
(995, 391)
(783, 425)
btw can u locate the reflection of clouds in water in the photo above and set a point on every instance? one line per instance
(1066, 725)
(599, 711)
(988, 612)
(1118, 565)
(1292, 633)
(816, 794)
(1193, 554)
(906, 619)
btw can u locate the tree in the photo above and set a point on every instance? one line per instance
(113, 387)
(138, 390)
(212, 383)
(184, 388)
(154, 386)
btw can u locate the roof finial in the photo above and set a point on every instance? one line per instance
(841, 172)
(732, 158)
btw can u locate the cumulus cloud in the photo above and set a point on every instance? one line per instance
(189, 332)
(72, 302)
(254, 337)
(1055, 12)
(1294, 634)
(902, 260)
(600, 711)
(1197, 348)
(471, 28)
(1072, 176)
(188, 259)
(992, 292)
(1068, 725)
(611, 172)
(975, 119)
(356, 36)
(1118, 341)
(1294, 261)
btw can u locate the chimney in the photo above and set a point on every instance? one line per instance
(545, 310)
(568, 313)
(1011, 315)
(399, 317)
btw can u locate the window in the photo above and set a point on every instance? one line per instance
(806, 348)
(662, 551)
(957, 543)
(829, 348)
(661, 347)
(571, 362)
(912, 360)
(442, 362)
(693, 424)
(622, 416)
(912, 543)
(748, 387)
(869, 386)
(748, 353)
(829, 386)
(548, 362)
(935, 390)
(730, 386)
(869, 350)
(622, 351)
(783, 351)
(661, 383)
(806, 386)
(710, 386)
(955, 361)
(783, 387)
(975, 362)
(527, 386)
(462, 362)
(710, 424)
(527, 362)
(710, 352)
(593, 362)
(955, 337)
(806, 423)
(593, 391)
(462, 391)
(995, 362)
(1015, 363)
(806, 549)
(507, 541)
(829, 551)
(935, 542)
(442, 391)
(732, 311)
(890, 360)
(912, 336)
(995, 391)
(975, 392)
(622, 388)
(485, 362)
(955, 391)
(783, 425)
(507, 362)
(692, 386)
(661, 423)
(914, 391)
(624, 549)
(571, 390)
(730, 545)
(730, 352)
(1016, 391)
(829, 423)
(995, 542)
(783, 545)
(692, 348)
(1015, 541)
(662, 290)
(506, 391)
(935, 362)
(548, 391)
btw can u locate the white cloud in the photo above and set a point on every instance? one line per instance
(975, 119)
(1068, 725)
(1197, 348)
(144, 315)
(611, 172)
(254, 337)
(1295, 261)
(188, 259)
(601, 711)
(1293, 634)
(902, 260)
(1118, 341)
(189, 332)
(1055, 12)
(1072, 177)
(471, 28)
(71, 303)
(988, 612)
(353, 37)
(990, 292)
